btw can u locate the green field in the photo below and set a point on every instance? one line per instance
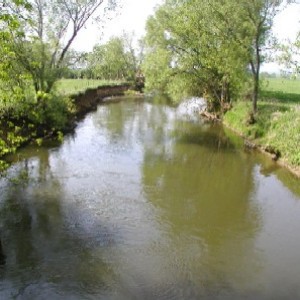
(284, 85)
(74, 86)
(282, 89)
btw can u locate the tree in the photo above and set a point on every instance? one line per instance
(211, 45)
(13, 79)
(53, 27)
(195, 45)
(259, 15)
(113, 60)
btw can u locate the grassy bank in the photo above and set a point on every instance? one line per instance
(277, 126)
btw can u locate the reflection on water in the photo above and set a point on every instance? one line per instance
(142, 204)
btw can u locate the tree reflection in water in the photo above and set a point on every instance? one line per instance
(45, 255)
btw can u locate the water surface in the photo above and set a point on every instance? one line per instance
(142, 202)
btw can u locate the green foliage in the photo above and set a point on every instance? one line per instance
(15, 99)
(190, 51)
(52, 111)
(10, 139)
(14, 81)
(41, 40)
(112, 61)
(3, 166)
(156, 69)
(60, 136)
(207, 47)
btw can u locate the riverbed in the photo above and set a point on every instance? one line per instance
(143, 201)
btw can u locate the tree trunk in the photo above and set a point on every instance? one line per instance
(255, 68)
(255, 92)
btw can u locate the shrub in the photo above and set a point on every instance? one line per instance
(52, 111)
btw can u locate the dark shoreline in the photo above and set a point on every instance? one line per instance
(88, 100)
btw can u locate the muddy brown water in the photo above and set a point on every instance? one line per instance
(143, 203)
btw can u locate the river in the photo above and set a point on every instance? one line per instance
(143, 202)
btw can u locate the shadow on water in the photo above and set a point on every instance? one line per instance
(209, 135)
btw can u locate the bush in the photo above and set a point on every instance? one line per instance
(52, 111)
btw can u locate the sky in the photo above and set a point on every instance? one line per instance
(132, 16)
(286, 25)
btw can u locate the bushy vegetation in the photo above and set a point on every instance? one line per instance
(41, 114)
(35, 41)
(32, 119)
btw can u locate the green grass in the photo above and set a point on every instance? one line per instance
(74, 86)
(277, 123)
(285, 85)
(282, 89)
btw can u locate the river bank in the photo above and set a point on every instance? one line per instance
(275, 130)
(89, 99)
(15, 133)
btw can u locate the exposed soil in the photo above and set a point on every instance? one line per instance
(88, 101)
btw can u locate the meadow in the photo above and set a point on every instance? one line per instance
(284, 85)
(74, 86)
(282, 89)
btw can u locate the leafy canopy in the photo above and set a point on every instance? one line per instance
(207, 47)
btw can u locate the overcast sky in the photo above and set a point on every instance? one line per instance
(134, 13)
